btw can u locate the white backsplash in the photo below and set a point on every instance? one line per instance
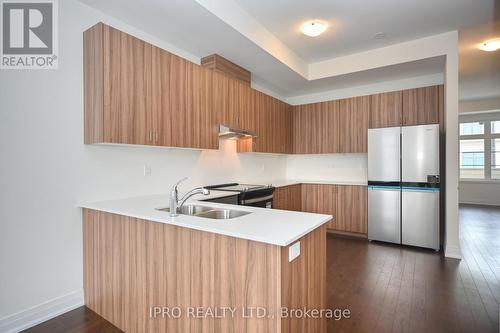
(327, 167)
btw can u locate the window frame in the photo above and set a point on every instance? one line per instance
(487, 137)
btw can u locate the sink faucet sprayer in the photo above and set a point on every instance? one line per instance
(176, 203)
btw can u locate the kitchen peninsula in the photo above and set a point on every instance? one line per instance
(138, 259)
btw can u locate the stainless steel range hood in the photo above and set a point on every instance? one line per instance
(226, 132)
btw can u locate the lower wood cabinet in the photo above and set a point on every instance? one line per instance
(288, 197)
(347, 203)
(321, 199)
(352, 209)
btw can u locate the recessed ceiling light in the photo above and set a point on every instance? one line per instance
(313, 28)
(379, 35)
(490, 45)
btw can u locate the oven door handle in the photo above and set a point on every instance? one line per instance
(254, 200)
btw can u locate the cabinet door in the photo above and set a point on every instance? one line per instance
(245, 106)
(127, 87)
(288, 198)
(386, 109)
(421, 106)
(353, 124)
(321, 199)
(224, 96)
(201, 122)
(352, 209)
(182, 114)
(316, 128)
(262, 106)
(285, 128)
(160, 118)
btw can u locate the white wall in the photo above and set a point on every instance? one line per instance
(480, 192)
(328, 167)
(479, 105)
(46, 170)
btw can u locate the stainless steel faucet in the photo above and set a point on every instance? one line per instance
(176, 203)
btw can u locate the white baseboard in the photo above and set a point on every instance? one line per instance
(480, 202)
(41, 312)
(452, 251)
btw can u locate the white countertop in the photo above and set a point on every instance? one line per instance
(287, 182)
(272, 226)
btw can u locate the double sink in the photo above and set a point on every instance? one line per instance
(208, 212)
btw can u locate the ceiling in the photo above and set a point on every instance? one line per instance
(353, 23)
(191, 27)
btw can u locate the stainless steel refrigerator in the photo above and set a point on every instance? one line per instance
(403, 185)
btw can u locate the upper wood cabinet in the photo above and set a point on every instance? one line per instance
(117, 75)
(353, 124)
(136, 93)
(316, 128)
(271, 119)
(181, 113)
(421, 106)
(386, 109)
(331, 127)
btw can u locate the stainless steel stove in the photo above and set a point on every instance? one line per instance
(245, 194)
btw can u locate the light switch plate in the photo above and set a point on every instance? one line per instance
(293, 251)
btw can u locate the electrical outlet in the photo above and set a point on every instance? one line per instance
(293, 251)
(147, 170)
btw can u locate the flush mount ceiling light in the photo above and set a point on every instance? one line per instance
(313, 28)
(490, 45)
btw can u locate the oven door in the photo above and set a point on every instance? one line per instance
(261, 201)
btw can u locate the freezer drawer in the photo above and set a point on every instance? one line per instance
(420, 218)
(384, 214)
(384, 154)
(419, 153)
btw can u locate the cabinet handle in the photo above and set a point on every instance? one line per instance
(156, 136)
(150, 136)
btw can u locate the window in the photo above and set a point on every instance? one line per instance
(472, 128)
(495, 127)
(495, 159)
(472, 158)
(480, 149)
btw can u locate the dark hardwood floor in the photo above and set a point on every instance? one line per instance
(401, 289)
(391, 288)
(80, 320)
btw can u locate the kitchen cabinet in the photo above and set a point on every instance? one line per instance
(181, 113)
(348, 204)
(117, 75)
(315, 128)
(131, 264)
(271, 119)
(331, 127)
(353, 124)
(321, 199)
(288, 197)
(386, 109)
(352, 209)
(136, 93)
(421, 106)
